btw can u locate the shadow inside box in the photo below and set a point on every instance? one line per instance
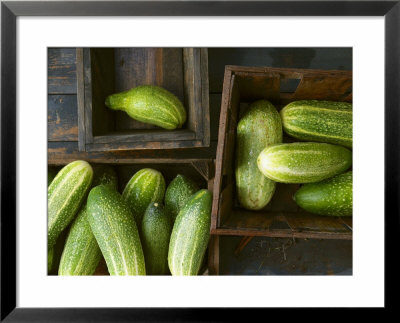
(285, 256)
(282, 217)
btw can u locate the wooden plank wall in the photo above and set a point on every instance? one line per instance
(62, 87)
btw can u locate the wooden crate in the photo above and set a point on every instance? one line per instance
(201, 171)
(104, 71)
(281, 217)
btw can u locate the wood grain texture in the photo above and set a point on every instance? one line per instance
(62, 118)
(213, 255)
(299, 58)
(61, 153)
(281, 217)
(183, 72)
(80, 74)
(61, 71)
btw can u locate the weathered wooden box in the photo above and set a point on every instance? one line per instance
(104, 71)
(201, 171)
(281, 217)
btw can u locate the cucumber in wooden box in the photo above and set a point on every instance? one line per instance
(333, 196)
(177, 193)
(190, 235)
(50, 256)
(81, 254)
(65, 196)
(146, 186)
(322, 121)
(150, 104)
(303, 162)
(155, 234)
(115, 230)
(259, 127)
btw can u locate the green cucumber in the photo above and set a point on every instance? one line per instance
(333, 196)
(322, 121)
(50, 256)
(106, 175)
(51, 174)
(115, 231)
(146, 186)
(190, 235)
(155, 234)
(65, 195)
(303, 162)
(177, 193)
(259, 127)
(81, 253)
(150, 104)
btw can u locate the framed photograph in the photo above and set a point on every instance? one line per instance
(76, 80)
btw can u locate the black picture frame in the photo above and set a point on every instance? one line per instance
(10, 10)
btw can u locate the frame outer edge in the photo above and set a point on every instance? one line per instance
(392, 144)
(8, 161)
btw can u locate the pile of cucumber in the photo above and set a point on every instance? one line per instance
(134, 232)
(320, 161)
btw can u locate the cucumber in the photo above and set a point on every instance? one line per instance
(106, 175)
(322, 121)
(50, 256)
(303, 162)
(81, 253)
(115, 231)
(146, 186)
(51, 174)
(150, 104)
(177, 193)
(190, 235)
(259, 127)
(65, 195)
(333, 196)
(155, 234)
(55, 252)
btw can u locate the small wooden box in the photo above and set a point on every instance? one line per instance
(201, 171)
(104, 71)
(281, 217)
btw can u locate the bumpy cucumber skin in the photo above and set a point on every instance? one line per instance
(155, 234)
(105, 175)
(190, 235)
(146, 186)
(65, 195)
(259, 127)
(115, 231)
(81, 254)
(51, 174)
(322, 121)
(177, 193)
(303, 162)
(333, 196)
(150, 104)
(50, 256)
